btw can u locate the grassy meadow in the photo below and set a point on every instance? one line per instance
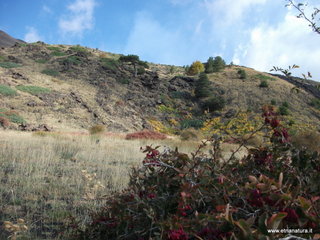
(47, 177)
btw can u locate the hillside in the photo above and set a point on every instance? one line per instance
(8, 41)
(74, 88)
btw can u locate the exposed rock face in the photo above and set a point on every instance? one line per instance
(7, 41)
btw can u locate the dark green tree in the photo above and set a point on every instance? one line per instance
(218, 64)
(134, 59)
(202, 86)
(214, 103)
(209, 66)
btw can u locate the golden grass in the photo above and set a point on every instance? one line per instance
(47, 177)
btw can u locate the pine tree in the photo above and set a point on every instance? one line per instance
(218, 64)
(203, 89)
(210, 65)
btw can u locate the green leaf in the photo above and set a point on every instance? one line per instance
(275, 220)
(262, 227)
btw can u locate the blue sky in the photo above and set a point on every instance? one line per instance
(253, 33)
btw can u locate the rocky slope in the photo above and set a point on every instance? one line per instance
(76, 87)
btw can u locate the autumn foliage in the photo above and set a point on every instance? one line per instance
(175, 196)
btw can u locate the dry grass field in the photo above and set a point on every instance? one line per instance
(46, 177)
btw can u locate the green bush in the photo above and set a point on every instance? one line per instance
(191, 123)
(315, 103)
(79, 49)
(58, 53)
(264, 84)
(263, 77)
(273, 102)
(283, 110)
(50, 72)
(42, 61)
(215, 103)
(74, 60)
(123, 80)
(141, 70)
(3, 58)
(51, 48)
(202, 89)
(12, 116)
(9, 65)
(181, 95)
(242, 74)
(7, 91)
(110, 63)
(34, 90)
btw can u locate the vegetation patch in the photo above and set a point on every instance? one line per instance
(79, 49)
(191, 123)
(109, 63)
(97, 129)
(147, 134)
(52, 48)
(263, 77)
(50, 72)
(123, 80)
(12, 116)
(42, 61)
(74, 60)
(315, 103)
(34, 90)
(9, 65)
(180, 95)
(264, 84)
(7, 91)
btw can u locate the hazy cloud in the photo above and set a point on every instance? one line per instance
(290, 42)
(32, 35)
(229, 11)
(46, 9)
(79, 19)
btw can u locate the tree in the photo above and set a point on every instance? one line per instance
(214, 103)
(218, 64)
(203, 86)
(196, 68)
(134, 59)
(210, 65)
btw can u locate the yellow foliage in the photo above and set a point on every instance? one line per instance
(196, 68)
(173, 122)
(160, 127)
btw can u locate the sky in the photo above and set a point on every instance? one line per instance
(255, 33)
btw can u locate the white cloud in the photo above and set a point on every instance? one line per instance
(79, 19)
(32, 35)
(230, 11)
(290, 42)
(46, 9)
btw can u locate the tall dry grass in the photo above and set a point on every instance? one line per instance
(45, 178)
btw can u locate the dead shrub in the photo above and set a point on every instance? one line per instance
(309, 140)
(146, 134)
(189, 134)
(254, 141)
(4, 122)
(97, 129)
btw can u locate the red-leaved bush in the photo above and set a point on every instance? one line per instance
(146, 134)
(179, 197)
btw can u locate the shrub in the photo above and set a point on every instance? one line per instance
(307, 140)
(42, 61)
(180, 95)
(75, 60)
(79, 49)
(195, 68)
(7, 91)
(189, 134)
(283, 110)
(12, 116)
(264, 84)
(175, 196)
(109, 63)
(58, 53)
(146, 134)
(50, 72)
(123, 80)
(242, 74)
(202, 89)
(315, 103)
(215, 103)
(141, 70)
(4, 122)
(191, 123)
(273, 102)
(97, 129)
(263, 77)
(285, 104)
(9, 65)
(52, 48)
(34, 90)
